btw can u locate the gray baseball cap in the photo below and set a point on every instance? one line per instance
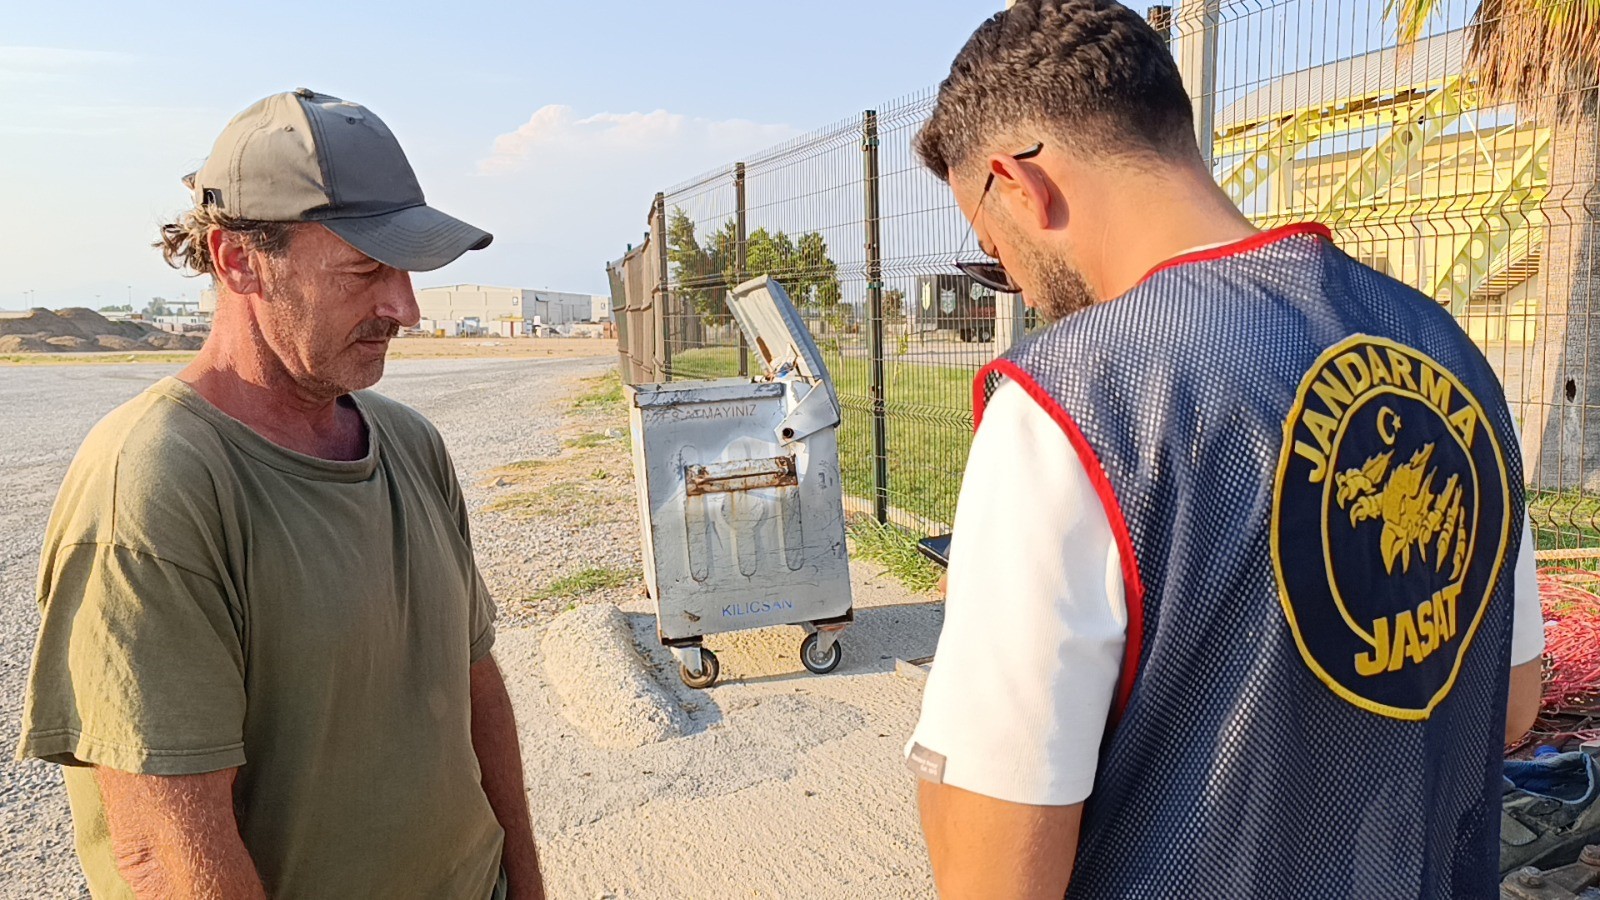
(302, 156)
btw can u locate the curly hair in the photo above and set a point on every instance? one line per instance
(1091, 72)
(185, 247)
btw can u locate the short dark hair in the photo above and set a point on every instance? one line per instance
(1091, 71)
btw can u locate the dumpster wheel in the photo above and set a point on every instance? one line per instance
(709, 670)
(816, 663)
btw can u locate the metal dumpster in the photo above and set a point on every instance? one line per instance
(740, 500)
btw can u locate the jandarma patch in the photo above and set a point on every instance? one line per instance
(1389, 524)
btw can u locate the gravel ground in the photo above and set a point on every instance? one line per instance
(785, 784)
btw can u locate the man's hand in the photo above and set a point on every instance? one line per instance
(494, 739)
(983, 848)
(176, 836)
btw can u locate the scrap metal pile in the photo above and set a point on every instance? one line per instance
(1570, 708)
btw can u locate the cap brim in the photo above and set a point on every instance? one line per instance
(416, 239)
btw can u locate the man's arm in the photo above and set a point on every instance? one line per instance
(1527, 642)
(982, 847)
(176, 835)
(1026, 670)
(1522, 702)
(494, 739)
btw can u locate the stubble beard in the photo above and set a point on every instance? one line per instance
(1061, 288)
(323, 369)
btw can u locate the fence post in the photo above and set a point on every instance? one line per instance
(663, 321)
(740, 261)
(1160, 18)
(880, 425)
(1196, 53)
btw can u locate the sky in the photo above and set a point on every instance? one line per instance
(550, 125)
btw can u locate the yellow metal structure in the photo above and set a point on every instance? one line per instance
(1395, 153)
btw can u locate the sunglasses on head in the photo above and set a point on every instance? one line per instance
(992, 273)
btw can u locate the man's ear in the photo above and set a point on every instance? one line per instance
(1024, 189)
(233, 262)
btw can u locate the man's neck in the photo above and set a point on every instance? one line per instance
(1168, 222)
(239, 374)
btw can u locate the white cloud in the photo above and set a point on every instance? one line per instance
(36, 65)
(564, 192)
(557, 130)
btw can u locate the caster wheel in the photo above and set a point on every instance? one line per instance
(819, 663)
(709, 669)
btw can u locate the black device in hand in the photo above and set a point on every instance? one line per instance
(936, 548)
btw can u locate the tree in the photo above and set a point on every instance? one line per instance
(894, 305)
(695, 274)
(116, 309)
(156, 307)
(701, 273)
(817, 271)
(1544, 55)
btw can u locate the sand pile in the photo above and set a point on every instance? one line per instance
(79, 330)
(603, 683)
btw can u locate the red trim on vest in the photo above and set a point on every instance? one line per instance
(1133, 585)
(1254, 242)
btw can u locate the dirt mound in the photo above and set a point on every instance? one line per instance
(604, 685)
(161, 340)
(91, 324)
(24, 343)
(80, 330)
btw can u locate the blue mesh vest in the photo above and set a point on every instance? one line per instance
(1317, 497)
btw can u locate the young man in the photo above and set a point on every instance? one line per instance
(264, 656)
(1241, 573)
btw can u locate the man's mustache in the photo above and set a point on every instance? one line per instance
(376, 330)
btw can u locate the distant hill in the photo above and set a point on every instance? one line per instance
(80, 330)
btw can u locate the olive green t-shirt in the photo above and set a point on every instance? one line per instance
(212, 600)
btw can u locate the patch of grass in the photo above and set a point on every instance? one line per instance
(584, 582)
(1563, 520)
(582, 503)
(592, 439)
(895, 549)
(560, 498)
(605, 393)
(519, 472)
(101, 359)
(526, 465)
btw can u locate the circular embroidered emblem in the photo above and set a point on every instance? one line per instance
(1389, 524)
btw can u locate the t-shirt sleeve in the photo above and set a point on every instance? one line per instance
(483, 612)
(1026, 668)
(138, 666)
(1527, 626)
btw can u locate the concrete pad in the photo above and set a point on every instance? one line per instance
(782, 784)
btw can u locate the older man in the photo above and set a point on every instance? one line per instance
(264, 657)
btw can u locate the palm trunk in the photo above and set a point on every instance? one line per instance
(1561, 422)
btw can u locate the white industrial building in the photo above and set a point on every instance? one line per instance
(472, 309)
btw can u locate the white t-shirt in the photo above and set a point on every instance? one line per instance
(1027, 665)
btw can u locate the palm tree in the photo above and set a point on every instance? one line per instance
(1544, 56)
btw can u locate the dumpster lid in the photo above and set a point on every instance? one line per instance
(777, 336)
